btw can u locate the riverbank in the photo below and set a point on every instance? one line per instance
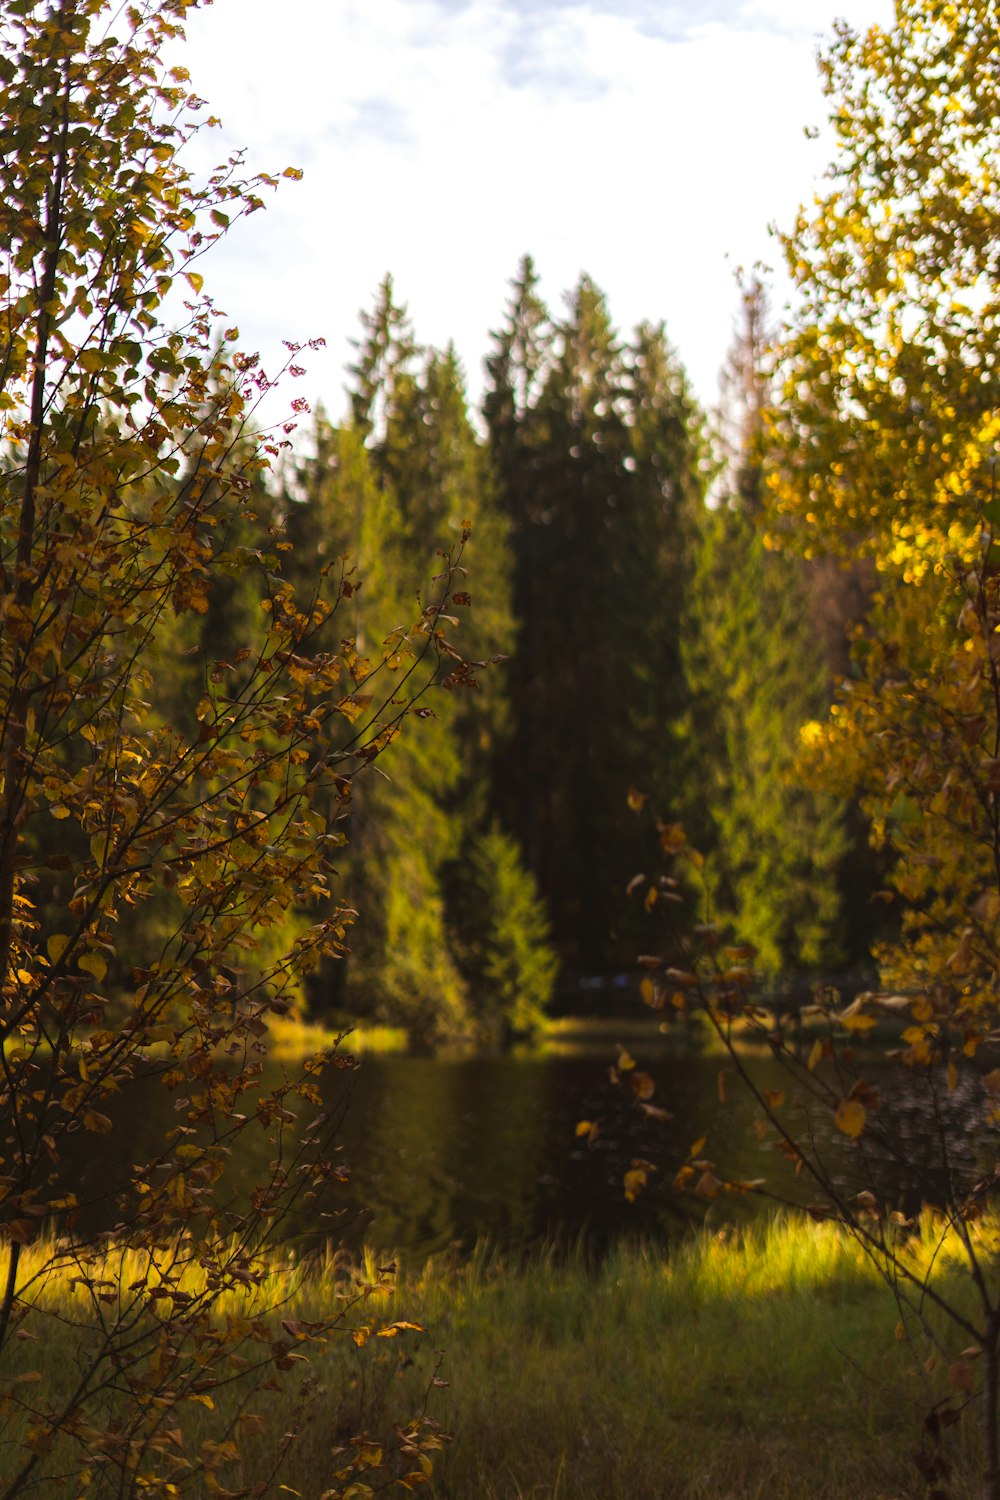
(745, 1365)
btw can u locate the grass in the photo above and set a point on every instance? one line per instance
(292, 1038)
(750, 1364)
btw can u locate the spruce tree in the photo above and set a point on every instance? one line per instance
(758, 673)
(595, 446)
(409, 464)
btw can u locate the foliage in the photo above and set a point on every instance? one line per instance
(596, 450)
(410, 454)
(129, 487)
(775, 844)
(882, 436)
(756, 672)
(510, 966)
(888, 446)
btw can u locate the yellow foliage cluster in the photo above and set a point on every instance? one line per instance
(883, 443)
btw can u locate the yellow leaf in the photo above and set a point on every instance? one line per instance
(584, 1127)
(177, 1192)
(195, 281)
(94, 964)
(625, 1061)
(56, 946)
(815, 1055)
(849, 1118)
(59, 811)
(97, 1123)
(635, 1180)
(952, 1077)
(696, 1149)
(672, 837)
(858, 1022)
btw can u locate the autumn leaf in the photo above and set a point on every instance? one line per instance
(642, 1085)
(672, 837)
(636, 1178)
(708, 1185)
(849, 1118)
(93, 964)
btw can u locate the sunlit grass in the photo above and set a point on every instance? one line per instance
(292, 1038)
(763, 1361)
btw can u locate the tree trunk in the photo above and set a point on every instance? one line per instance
(991, 1380)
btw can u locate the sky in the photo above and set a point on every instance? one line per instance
(648, 143)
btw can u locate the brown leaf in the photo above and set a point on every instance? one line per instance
(708, 1185)
(643, 1085)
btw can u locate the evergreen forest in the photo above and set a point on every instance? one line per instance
(640, 641)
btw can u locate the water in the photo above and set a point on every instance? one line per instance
(444, 1152)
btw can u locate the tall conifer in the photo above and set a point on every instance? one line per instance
(408, 465)
(595, 448)
(758, 672)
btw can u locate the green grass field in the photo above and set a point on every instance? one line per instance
(760, 1364)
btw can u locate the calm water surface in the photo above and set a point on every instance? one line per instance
(443, 1153)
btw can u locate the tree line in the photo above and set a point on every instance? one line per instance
(635, 639)
(641, 639)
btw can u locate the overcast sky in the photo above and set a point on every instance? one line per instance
(648, 143)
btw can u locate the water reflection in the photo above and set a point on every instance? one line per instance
(445, 1152)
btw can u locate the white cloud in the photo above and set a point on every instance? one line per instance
(443, 140)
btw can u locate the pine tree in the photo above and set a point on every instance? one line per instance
(757, 673)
